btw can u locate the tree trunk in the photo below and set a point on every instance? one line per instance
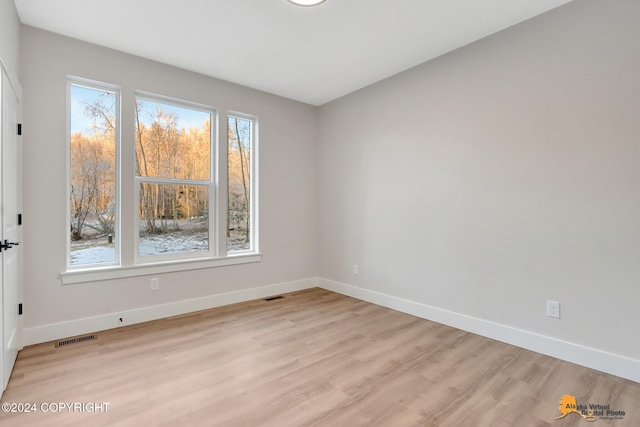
(244, 181)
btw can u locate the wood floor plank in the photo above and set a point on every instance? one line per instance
(313, 358)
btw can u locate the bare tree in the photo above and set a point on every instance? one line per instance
(93, 170)
(239, 140)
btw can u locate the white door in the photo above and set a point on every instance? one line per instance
(10, 254)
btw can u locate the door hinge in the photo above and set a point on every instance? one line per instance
(20, 309)
(19, 128)
(19, 219)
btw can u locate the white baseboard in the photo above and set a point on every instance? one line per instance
(614, 364)
(585, 356)
(87, 325)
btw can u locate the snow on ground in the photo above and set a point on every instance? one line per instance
(92, 255)
(97, 252)
(173, 244)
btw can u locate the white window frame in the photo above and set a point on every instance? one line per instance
(253, 184)
(210, 184)
(134, 265)
(99, 86)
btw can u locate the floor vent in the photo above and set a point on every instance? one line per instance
(75, 340)
(274, 298)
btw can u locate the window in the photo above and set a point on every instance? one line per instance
(172, 208)
(240, 148)
(174, 179)
(93, 207)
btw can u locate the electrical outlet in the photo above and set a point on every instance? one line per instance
(355, 270)
(553, 309)
(155, 284)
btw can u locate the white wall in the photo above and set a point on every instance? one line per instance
(287, 185)
(9, 38)
(496, 177)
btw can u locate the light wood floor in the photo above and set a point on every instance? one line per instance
(312, 358)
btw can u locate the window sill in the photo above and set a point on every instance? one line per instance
(118, 272)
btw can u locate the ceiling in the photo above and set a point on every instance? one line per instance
(310, 54)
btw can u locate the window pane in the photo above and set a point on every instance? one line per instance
(240, 134)
(92, 171)
(172, 141)
(173, 219)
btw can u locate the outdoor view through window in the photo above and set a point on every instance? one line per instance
(173, 166)
(240, 144)
(93, 130)
(175, 194)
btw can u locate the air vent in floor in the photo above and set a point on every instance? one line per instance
(75, 340)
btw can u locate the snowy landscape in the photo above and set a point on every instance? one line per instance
(98, 250)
